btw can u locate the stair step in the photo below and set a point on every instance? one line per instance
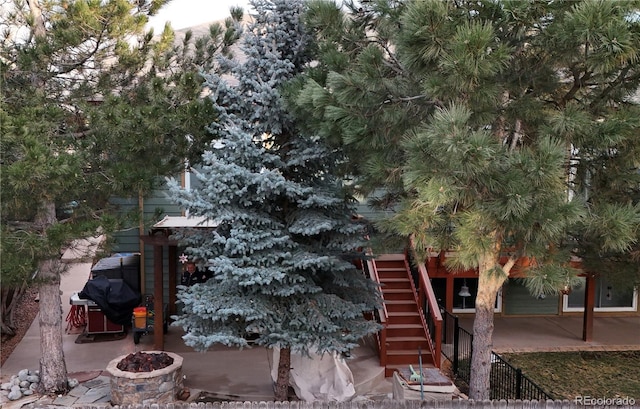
(390, 257)
(404, 317)
(397, 285)
(398, 294)
(401, 305)
(407, 357)
(404, 279)
(390, 266)
(403, 339)
(407, 343)
(397, 291)
(390, 369)
(407, 352)
(405, 330)
(382, 276)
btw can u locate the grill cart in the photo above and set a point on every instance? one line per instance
(144, 319)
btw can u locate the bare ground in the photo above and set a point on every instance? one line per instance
(26, 312)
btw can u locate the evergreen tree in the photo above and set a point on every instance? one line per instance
(281, 254)
(481, 119)
(82, 83)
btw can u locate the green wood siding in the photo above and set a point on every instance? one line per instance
(518, 301)
(156, 206)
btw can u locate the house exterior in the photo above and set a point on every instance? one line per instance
(454, 291)
(515, 299)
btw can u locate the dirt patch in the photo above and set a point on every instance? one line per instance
(26, 311)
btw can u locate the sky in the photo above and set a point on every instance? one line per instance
(187, 13)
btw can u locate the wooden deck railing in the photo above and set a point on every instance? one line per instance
(382, 317)
(430, 313)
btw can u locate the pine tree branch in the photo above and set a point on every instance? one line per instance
(578, 83)
(38, 22)
(621, 79)
(517, 135)
(82, 61)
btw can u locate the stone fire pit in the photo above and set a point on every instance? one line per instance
(142, 388)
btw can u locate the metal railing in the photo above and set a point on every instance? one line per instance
(506, 381)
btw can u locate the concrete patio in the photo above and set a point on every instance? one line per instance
(245, 374)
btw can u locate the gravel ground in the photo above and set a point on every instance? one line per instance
(26, 312)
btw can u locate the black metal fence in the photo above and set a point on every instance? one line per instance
(506, 381)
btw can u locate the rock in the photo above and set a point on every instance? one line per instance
(15, 393)
(23, 384)
(23, 374)
(184, 394)
(73, 383)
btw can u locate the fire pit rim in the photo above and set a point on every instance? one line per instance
(113, 370)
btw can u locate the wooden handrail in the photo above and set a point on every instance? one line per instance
(382, 313)
(434, 311)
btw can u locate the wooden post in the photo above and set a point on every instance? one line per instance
(589, 305)
(143, 271)
(450, 294)
(158, 294)
(173, 261)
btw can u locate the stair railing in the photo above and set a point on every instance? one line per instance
(425, 313)
(430, 308)
(382, 314)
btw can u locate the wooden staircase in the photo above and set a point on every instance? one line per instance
(405, 327)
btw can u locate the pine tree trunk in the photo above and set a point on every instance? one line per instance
(284, 367)
(53, 369)
(489, 283)
(10, 298)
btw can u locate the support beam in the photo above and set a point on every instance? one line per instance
(158, 295)
(173, 262)
(589, 306)
(449, 293)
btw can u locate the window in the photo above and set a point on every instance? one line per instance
(609, 297)
(464, 295)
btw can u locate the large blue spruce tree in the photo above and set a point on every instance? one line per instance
(282, 253)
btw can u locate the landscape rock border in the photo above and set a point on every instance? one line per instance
(25, 383)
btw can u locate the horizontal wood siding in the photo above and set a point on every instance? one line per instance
(126, 241)
(518, 301)
(160, 205)
(156, 206)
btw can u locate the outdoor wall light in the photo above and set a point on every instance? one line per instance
(464, 293)
(609, 295)
(464, 290)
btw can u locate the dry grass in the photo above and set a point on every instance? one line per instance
(567, 375)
